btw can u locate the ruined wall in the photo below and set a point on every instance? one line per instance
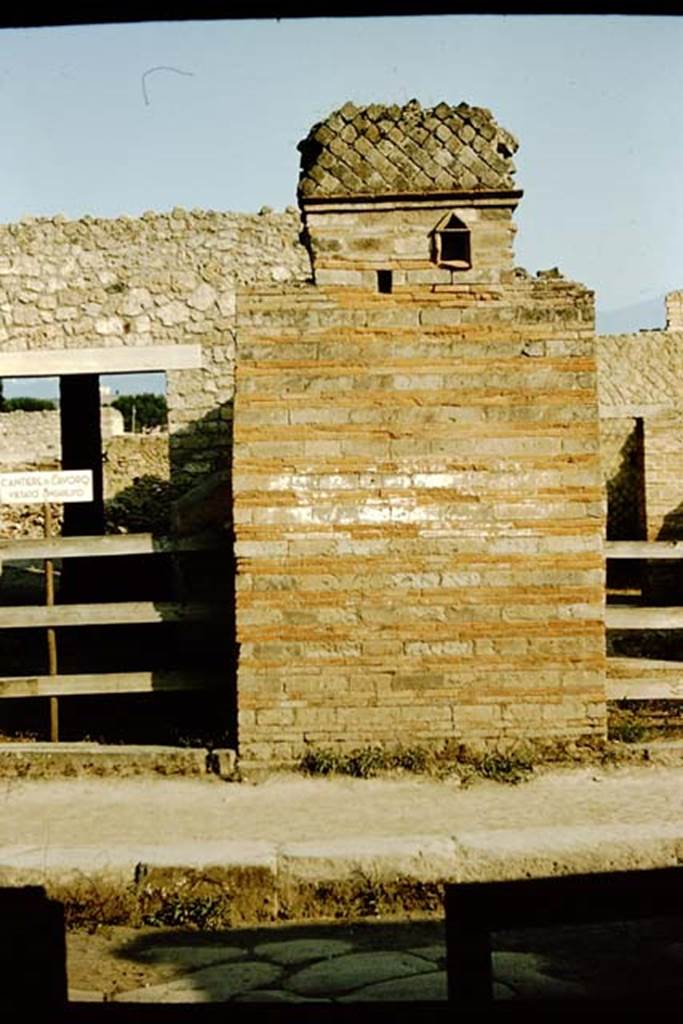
(640, 387)
(621, 458)
(417, 490)
(640, 374)
(663, 471)
(33, 444)
(162, 279)
(29, 439)
(419, 517)
(129, 456)
(33, 438)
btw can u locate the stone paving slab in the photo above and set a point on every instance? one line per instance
(216, 984)
(431, 986)
(355, 971)
(323, 968)
(301, 951)
(191, 957)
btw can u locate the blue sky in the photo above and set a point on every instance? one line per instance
(88, 125)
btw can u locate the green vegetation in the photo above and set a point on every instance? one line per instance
(26, 404)
(140, 412)
(627, 727)
(145, 505)
(173, 909)
(368, 762)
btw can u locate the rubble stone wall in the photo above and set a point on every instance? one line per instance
(29, 439)
(34, 438)
(162, 279)
(419, 517)
(640, 380)
(129, 456)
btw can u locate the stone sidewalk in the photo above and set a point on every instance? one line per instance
(232, 858)
(291, 829)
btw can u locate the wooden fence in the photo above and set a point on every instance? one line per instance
(104, 614)
(644, 678)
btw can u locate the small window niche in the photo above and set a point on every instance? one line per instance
(385, 284)
(452, 244)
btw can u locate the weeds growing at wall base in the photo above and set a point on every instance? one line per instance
(626, 726)
(511, 764)
(462, 762)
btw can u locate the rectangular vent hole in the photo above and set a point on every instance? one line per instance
(384, 282)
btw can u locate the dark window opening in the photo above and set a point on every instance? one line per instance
(453, 244)
(384, 282)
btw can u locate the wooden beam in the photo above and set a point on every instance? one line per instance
(644, 549)
(629, 617)
(644, 679)
(108, 682)
(109, 544)
(115, 359)
(110, 614)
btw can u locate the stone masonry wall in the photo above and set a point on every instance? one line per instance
(621, 459)
(663, 464)
(29, 438)
(399, 238)
(419, 517)
(162, 279)
(134, 455)
(674, 311)
(35, 446)
(377, 183)
(640, 374)
(640, 382)
(33, 438)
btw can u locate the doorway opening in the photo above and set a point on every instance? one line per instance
(131, 644)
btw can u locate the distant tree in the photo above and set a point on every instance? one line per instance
(2, 396)
(23, 403)
(142, 411)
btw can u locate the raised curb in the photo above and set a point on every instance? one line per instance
(668, 753)
(252, 882)
(77, 760)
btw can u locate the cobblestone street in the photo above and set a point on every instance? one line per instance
(396, 961)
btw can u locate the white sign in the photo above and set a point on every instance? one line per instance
(57, 486)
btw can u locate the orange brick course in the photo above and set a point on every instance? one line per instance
(418, 517)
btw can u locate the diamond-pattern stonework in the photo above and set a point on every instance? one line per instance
(380, 150)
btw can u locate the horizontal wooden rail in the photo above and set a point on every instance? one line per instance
(109, 544)
(643, 549)
(110, 614)
(108, 682)
(638, 617)
(644, 679)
